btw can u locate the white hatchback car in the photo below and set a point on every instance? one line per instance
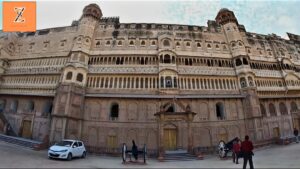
(67, 149)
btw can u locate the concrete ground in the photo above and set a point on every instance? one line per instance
(12, 156)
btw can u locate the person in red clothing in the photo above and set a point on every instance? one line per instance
(247, 150)
(236, 150)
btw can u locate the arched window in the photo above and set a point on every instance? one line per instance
(107, 43)
(153, 43)
(131, 43)
(233, 44)
(243, 82)
(114, 111)
(186, 61)
(98, 43)
(47, 108)
(177, 44)
(245, 61)
(14, 105)
(175, 82)
(69, 76)
(220, 111)
(272, 110)
(30, 106)
(120, 43)
(199, 45)
(166, 43)
(283, 109)
(2, 105)
(188, 44)
(167, 58)
(79, 77)
(263, 110)
(208, 46)
(294, 107)
(168, 82)
(171, 108)
(143, 43)
(250, 80)
(238, 62)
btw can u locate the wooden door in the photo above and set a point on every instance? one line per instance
(276, 132)
(170, 139)
(112, 141)
(296, 123)
(26, 130)
(223, 136)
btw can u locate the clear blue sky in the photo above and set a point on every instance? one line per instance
(258, 16)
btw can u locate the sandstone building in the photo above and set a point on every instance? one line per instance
(167, 86)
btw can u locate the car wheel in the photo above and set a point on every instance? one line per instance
(83, 155)
(69, 158)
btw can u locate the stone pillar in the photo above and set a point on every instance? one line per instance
(190, 132)
(190, 138)
(161, 149)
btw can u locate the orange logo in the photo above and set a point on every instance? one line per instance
(19, 16)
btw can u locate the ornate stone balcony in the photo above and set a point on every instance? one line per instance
(35, 70)
(267, 73)
(163, 66)
(238, 52)
(204, 70)
(272, 88)
(28, 86)
(293, 87)
(243, 69)
(136, 69)
(39, 92)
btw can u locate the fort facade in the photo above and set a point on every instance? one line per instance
(164, 85)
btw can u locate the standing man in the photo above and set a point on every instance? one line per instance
(134, 150)
(236, 151)
(296, 132)
(247, 150)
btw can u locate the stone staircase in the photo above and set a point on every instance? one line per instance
(179, 155)
(10, 131)
(32, 144)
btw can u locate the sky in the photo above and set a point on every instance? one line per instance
(259, 16)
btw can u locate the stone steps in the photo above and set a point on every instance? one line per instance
(179, 156)
(32, 144)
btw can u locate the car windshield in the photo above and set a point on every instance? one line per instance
(65, 143)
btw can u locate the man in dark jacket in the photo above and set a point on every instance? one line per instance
(247, 150)
(296, 132)
(134, 150)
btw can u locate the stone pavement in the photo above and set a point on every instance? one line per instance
(12, 156)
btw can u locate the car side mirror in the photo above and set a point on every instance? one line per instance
(74, 146)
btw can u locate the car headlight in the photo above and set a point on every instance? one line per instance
(63, 151)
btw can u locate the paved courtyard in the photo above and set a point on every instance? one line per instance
(12, 156)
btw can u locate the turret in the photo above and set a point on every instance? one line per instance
(88, 21)
(227, 20)
(69, 102)
(226, 16)
(92, 10)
